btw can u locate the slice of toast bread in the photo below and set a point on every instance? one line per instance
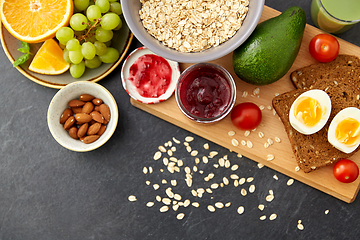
(314, 151)
(343, 67)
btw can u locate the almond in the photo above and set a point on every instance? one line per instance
(105, 111)
(102, 130)
(82, 130)
(97, 101)
(83, 117)
(86, 97)
(94, 129)
(73, 132)
(97, 116)
(90, 139)
(65, 115)
(69, 122)
(76, 110)
(76, 103)
(88, 107)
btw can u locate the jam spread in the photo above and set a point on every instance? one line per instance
(205, 92)
(151, 75)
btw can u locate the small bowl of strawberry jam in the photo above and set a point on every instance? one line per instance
(149, 78)
(205, 92)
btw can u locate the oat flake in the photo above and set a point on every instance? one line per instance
(132, 198)
(164, 209)
(211, 208)
(240, 210)
(290, 182)
(157, 155)
(273, 216)
(180, 216)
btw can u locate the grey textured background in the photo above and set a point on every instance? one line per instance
(49, 192)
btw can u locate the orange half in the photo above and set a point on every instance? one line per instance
(49, 59)
(35, 21)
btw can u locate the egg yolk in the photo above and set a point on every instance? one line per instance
(308, 111)
(348, 131)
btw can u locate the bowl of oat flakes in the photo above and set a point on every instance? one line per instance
(192, 31)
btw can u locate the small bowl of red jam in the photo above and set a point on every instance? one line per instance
(149, 78)
(205, 92)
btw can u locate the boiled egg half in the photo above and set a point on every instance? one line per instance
(310, 111)
(344, 130)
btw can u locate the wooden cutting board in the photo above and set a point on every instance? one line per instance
(284, 161)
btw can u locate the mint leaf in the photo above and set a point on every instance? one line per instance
(23, 58)
(20, 60)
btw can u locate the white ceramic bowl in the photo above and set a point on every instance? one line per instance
(131, 13)
(60, 102)
(131, 89)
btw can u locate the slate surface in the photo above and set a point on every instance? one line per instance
(48, 192)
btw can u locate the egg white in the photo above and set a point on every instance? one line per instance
(325, 104)
(352, 112)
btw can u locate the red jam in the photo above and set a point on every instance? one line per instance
(151, 75)
(205, 92)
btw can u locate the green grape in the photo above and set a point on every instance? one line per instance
(73, 44)
(110, 21)
(100, 47)
(110, 56)
(76, 56)
(115, 7)
(88, 50)
(78, 22)
(77, 70)
(103, 35)
(118, 26)
(66, 56)
(104, 5)
(64, 34)
(108, 43)
(93, 63)
(81, 5)
(93, 13)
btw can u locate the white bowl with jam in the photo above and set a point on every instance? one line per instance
(205, 92)
(149, 78)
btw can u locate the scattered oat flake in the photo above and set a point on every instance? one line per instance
(180, 216)
(213, 154)
(252, 188)
(277, 139)
(227, 164)
(249, 179)
(243, 142)
(219, 205)
(166, 201)
(247, 133)
(132, 198)
(273, 216)
(290, 182)
(180, 163)
(239, 155)
(206, 146)
(162, 149)
(156, 186)
(275, 177)
(263, 217)
(297, 168)
(150, 170)
(236, 183)
(242, 181)
(211, 208)
(189, 139)
(158, 198)
(205, 159)
(228, 204)
(231, 133)
(243, 192)
(270, 157)
(240, 210)
(194, 153)
(195, 169)
(197, 160)
(234, 176)
(225, 181)
(150, 204)
(214, 186)
(187, 203)
(157, 155)
(235, 142)
(261, 207)
(164, 181)
(261, 134)
(188, 148)
(175, 140)
(269, 197)
(300, 226)
(234, 167)
(260, 165)
(327, 211)
(164, 209)
(221, 162)
(249, 144)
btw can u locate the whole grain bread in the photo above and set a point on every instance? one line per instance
(345, 67)
(314, 151)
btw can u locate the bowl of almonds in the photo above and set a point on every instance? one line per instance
(82, 116)
(192, 31)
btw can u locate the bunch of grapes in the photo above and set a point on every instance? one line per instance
(87, 41)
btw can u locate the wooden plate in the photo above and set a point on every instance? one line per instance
(121, 41)
(272, 127)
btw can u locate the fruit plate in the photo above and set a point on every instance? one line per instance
(121, 41)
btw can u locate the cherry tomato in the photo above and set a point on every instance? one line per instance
(346, 171)
(324, 47)
(246, 116)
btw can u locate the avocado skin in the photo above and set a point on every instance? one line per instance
(268, 54)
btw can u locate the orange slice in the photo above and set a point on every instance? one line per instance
(49, 59)
(35, 21)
